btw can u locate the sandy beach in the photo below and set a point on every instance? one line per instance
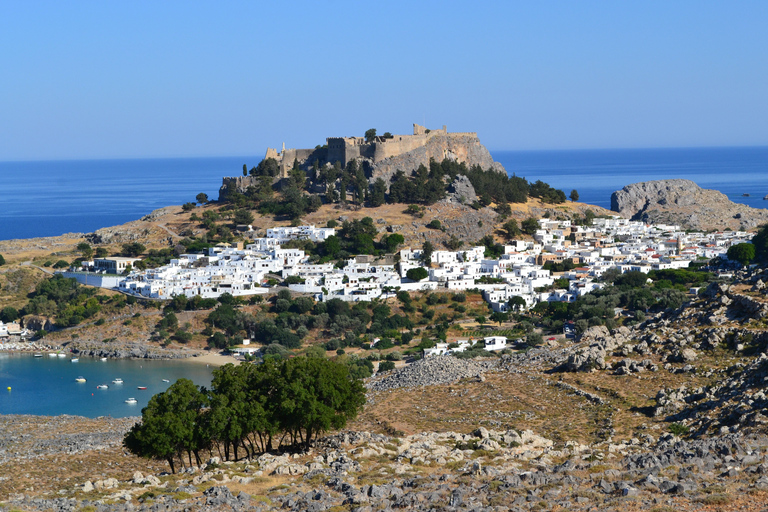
(213, 359)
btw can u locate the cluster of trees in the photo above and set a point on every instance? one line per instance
(630, 291)
(358, 237)
(547, 193)
(249, 409)
(64, 299)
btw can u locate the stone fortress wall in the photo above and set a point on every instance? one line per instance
(346, 149)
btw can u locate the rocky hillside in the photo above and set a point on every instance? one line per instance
(684, 203)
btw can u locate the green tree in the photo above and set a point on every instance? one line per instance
(85, 249)
(417, 273)
(574, 195)
(2, 260)
(378, 192)
(101, 252)
(168, 425)
(589, 216)
(238, 409)
(133, 249)
(188, 206)
(243, 217)
(499, 317)
(511, 228)
(315, 395)
(760, 241)
(744, 253)
(9, 314)
(529, 226)
(202, 197)
(426, 252)
(392, 242)
(370, 135)
(516, 303)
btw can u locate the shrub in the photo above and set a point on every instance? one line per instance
(435, 224)
(679, 429)
(417, 274)
(386, 366)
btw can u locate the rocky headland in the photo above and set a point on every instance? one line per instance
(684, 203)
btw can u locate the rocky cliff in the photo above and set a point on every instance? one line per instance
(683, 202)
(461, 148)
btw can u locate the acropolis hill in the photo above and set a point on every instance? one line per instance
(383, 156)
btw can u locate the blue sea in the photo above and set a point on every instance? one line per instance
(596, 174)
(56, 197)
(46, 385)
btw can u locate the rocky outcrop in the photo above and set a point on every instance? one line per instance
(462, 191)
(460, 148)
(684, 203)
(126, 351)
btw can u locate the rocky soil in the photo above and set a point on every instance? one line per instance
(684, 203)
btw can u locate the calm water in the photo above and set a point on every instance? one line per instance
(51, 198)
(595, 174)
(46, 386)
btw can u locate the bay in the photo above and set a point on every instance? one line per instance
(46, 385)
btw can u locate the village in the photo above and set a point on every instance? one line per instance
(523, 270)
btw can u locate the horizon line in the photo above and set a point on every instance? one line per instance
(201, 157)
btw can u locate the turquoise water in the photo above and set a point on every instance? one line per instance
(46, 385)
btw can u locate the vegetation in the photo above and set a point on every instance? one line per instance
(253, 408)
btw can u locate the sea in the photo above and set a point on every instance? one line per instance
(46, 385)
(49, 198)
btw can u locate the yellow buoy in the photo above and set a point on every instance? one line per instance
(9, 388)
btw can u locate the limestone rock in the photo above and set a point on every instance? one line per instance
(684, 203)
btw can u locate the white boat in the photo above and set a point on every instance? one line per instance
(80, 379)
(131, 401)
(38, 355)
(102, 386)
(61, 355)
(51, 354)
(74, 359)
(103, 358)
(117, 381)
(166, 380)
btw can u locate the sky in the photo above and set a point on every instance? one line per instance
(119, 79)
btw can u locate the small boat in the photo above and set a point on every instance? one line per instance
(38, 355)
(166, 380)
(102, 386)
(142, 387)
(103, 358)
(131, 401)
(74, 359)
(51, 354)
(61, 355)
(80, 379)
(117, 381)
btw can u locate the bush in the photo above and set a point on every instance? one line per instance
(435, 224)
(61, 264)
(386, 366)
(417, 274)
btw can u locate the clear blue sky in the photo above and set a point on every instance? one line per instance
(154, 79)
